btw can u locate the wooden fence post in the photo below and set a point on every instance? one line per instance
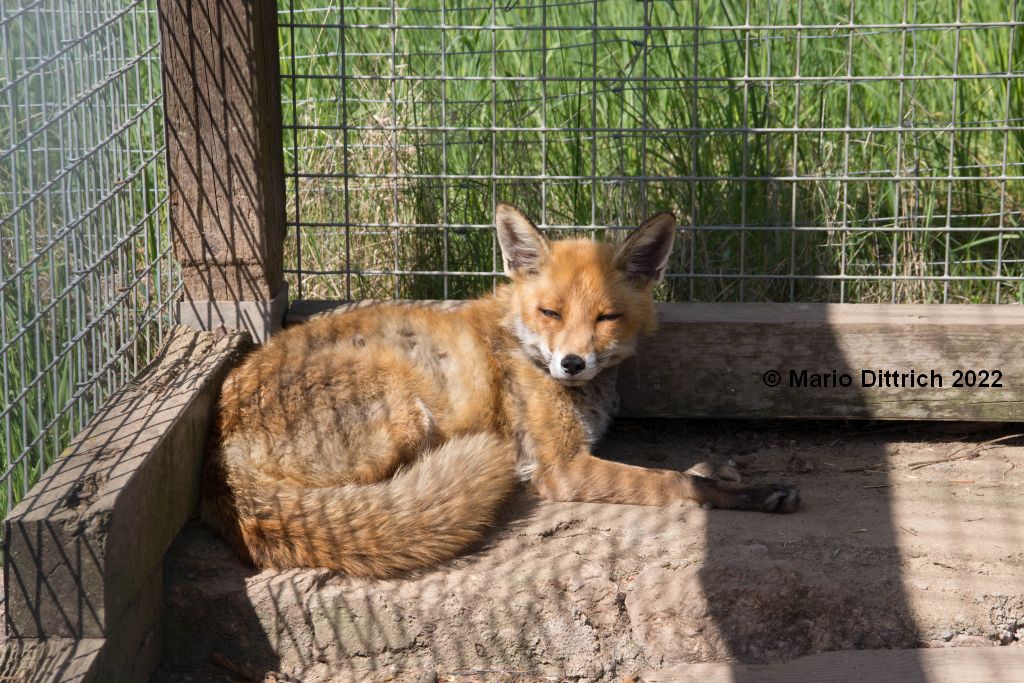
(225, 161)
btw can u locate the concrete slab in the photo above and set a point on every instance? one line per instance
(259, 318)
(887, 553)
(948, 665)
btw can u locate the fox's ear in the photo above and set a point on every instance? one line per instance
(644, 254)
(523, 248)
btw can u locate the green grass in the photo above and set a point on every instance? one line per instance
(890, 228)
(82, 222)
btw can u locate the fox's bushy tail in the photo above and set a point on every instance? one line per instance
(421, 516)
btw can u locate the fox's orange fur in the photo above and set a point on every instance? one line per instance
(385, 439)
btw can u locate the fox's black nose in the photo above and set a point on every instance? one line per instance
(573, 364)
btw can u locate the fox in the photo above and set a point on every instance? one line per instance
(386, 439)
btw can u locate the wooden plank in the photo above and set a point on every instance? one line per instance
(83, 551)
(945, 665)
(84, 542)
(715, 360)
(224, 146)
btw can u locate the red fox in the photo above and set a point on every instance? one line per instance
(385, 439)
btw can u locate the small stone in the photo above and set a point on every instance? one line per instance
(963, 640)
(728, 472)
(948, 636)
(800, 466)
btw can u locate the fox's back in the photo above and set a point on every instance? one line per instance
(328, 375)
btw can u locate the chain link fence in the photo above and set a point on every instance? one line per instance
(86, 275)
(855, 151)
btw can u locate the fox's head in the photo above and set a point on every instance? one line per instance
(579, 306)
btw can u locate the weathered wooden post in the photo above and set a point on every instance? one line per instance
(225, 163)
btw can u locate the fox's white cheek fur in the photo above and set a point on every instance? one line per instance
(533, 340)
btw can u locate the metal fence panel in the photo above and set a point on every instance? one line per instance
(849, 151)
(86, 274)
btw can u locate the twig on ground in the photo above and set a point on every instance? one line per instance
(973, 453)
(864, 468)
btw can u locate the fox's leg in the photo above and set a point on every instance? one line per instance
(585, 478)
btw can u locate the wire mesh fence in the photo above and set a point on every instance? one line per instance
(86, 275)
(855, 151)
(852, 151)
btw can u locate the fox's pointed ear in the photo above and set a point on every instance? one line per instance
(644, 254)
(523, 248)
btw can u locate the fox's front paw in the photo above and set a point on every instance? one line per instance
(779, 498)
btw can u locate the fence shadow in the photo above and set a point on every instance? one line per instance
(602, 590)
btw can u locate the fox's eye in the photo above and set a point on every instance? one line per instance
(551, 314)
(608, 316)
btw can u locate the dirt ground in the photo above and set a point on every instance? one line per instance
(910, 536)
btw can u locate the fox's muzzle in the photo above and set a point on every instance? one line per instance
(573, 364)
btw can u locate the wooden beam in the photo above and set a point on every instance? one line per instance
(225, 157)
(716, 360)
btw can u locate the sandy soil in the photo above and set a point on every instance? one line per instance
(886, 553)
